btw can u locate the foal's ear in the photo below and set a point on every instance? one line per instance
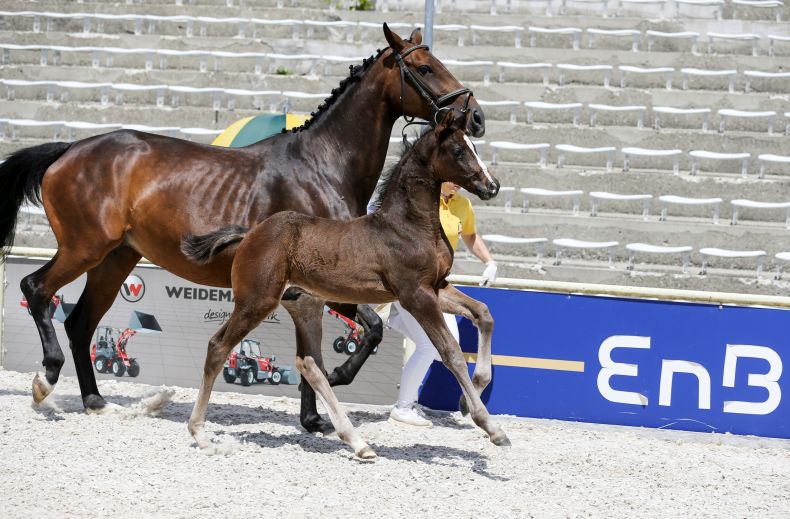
(416, 36)
(446, 124)
(395, 41)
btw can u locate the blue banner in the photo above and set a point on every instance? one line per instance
(647, 363)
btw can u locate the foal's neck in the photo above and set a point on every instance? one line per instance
(413, 196)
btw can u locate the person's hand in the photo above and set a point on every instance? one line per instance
(489, 274)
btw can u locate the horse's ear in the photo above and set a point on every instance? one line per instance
(395, 41)
(416, 36)
(446, 124)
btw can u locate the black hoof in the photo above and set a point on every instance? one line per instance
(462, 406)
(318, 425)
(94, 402)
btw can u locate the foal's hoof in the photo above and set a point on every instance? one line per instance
(366, 453)
(501, 440)
(462, 406)
(41, 388)
(318, 425)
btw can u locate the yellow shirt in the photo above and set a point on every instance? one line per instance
(457, 217)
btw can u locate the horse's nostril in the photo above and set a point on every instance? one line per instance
(476, 117)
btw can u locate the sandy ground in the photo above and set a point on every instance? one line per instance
(57, 461)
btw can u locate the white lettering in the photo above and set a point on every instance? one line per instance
(668, 370)
(610, 368)
(767, 380)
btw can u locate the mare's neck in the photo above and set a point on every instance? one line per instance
(352, 136)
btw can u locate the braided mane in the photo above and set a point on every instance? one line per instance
(355, 74)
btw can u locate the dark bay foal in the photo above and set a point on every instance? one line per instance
(397, 253)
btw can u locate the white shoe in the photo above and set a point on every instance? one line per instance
(409, 415)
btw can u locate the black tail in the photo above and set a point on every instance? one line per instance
(21, 175)
(202, 249)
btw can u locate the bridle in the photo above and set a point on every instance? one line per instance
(437, 103)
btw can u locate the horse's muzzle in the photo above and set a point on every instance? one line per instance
(476, 123)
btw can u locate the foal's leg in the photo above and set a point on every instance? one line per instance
(423, 304)
(307, 311)
(455, 302)
(374, 330)
(101, 289)
(39, 287)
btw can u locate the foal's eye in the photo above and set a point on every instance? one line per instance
(425, 69)
(458, 151)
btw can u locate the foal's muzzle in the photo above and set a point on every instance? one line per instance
(489, 191)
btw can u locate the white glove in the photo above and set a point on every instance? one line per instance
(489, 274)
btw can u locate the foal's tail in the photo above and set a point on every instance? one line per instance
(21, 175)
(202, 249)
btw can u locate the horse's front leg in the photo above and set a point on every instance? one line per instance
(453, 301)
(423, 304)
(374, 330)
(306, 311)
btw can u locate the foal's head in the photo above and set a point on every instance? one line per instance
(453, 158)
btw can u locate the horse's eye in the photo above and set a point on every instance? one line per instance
(425, 69)
(458, 151)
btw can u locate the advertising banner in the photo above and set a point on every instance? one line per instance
(648, 363)
(157, 332)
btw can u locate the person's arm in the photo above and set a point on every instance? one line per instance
(475, 244)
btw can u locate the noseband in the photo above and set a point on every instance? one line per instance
(437, 103)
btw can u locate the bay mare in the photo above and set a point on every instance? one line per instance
(113, 198)
(407, 258)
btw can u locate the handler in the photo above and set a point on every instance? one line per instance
(458, 219)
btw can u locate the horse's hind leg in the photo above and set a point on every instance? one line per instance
(307, 311)
(38, 288)
(453, 301)
(374, 329)
(101, 289)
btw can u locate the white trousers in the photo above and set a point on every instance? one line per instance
(424, 354)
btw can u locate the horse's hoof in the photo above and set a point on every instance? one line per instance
(319, 425)
(462, 406)
(366, 453)
(41, 388)
(94, 402)
(501, 440)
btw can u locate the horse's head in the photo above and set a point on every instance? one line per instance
(420, 85)
(454, 159)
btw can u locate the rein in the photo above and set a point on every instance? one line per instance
(437, 103)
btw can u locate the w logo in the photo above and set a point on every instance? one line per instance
(133, 288)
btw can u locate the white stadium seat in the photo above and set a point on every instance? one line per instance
(644, 152)
(598, 196)
(571, 243)
(543, 148)
(777, 159)
(714, 252)
(728, 112)
(781, 257)
(716, 6)
(573, 32)
(543, 67)
(683, 250)
(713, 155)
(629, 69)
(739, 204)
(632, 34)
(539, 243)
(569, 67)
(672, 111)
(691, 36)
(731, 74)
(581, 150)
(507, 192)
(750, 75)
(515, 30)
(667, 200)
(512, 105)
(575, 108)
(527, 192)
(753, 39)
(773, 39)
(639, 110)
(750, 5)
